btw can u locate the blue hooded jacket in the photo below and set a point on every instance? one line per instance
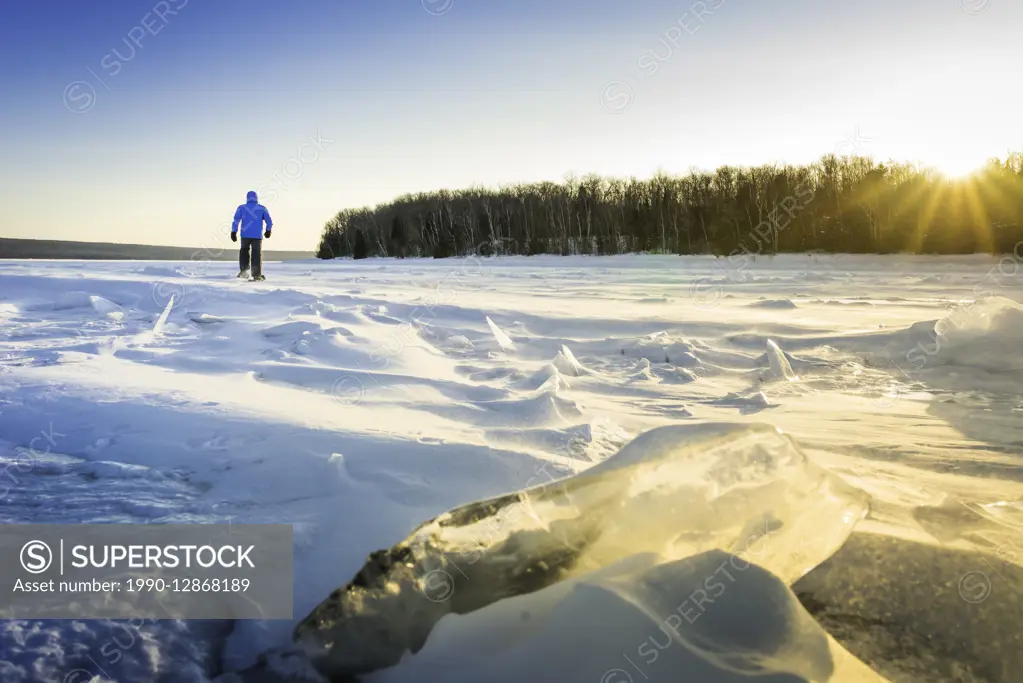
(252, 214)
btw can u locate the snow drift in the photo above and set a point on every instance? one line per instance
(986, 334)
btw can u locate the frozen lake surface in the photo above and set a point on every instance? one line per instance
(356, 400)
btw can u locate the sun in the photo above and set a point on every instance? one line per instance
(958, 166)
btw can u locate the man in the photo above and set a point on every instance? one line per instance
(252, 215)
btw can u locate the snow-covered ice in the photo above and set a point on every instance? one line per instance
(358, 400)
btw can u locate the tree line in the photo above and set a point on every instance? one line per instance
(848, 204)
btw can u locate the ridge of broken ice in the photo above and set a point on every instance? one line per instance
(503, 340)
(568, 364)
(778, 365)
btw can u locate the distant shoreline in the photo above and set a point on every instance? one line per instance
(105, 251)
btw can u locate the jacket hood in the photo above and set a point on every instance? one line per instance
(251, 196)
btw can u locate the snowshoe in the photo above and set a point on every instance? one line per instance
(243, 274)
(258, 278)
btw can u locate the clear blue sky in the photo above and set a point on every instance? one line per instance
(146, 121)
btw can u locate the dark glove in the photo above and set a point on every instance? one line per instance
(234, 237)
(267, 234)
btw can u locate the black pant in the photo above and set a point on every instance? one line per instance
(257, 255)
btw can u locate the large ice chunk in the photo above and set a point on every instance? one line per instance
(673, 493)
(711, 618)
